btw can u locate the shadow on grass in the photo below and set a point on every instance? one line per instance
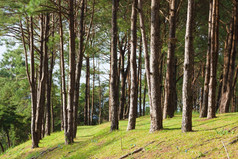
(77, 146)
(206, 122)
(171, 128)
(93, 149)
(219, 127)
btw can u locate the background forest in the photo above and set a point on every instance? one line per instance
(86, 62)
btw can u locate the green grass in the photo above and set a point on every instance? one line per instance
(98, 142)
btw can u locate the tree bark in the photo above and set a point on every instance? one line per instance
(233, 106)
(155, 83)
(113, 81)
(100, 97)
(214, 56)
(187, 76)
(145, 48)
(50, 95)
(48, 80)
(32, 86)
(71, 84)
(133, 94)
(144, 97)
(62, 74)
(219, 92)
(87, 90)
(40, 105)
(201, 90)
(92, 104)
(170, 89)
(123, 81)
(79, 67)
(229, 63)
(139, 78)
(203, 112)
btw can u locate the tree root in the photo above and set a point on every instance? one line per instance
(224, 145)
(44, 152)
(136, 151)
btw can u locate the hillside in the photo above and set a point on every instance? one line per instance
(97, 142)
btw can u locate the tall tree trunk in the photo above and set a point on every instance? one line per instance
(61, 109)
(62, 74)
(123, 82)
(175, 87)
(201, 90)
(41, 78)
(52, 63)
(43, 126)
(229, 63)
(155, 83)
(133, 94)
(109, 102)
(144, 96)
(187, 76)
(33, 86)
(92, 104)
(203, 112)
(145, 47)
(87, 90)
(169, 102)
(48, 75)
(71, 84)
(139, 78)
(113, 81)
(214, 56)
(233, 106)
(100, 98)
(118, 83)
(79, 66)
(219, 92)
(126, 112)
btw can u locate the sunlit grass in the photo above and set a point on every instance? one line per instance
(99, 142)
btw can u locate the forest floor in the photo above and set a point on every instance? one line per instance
(215, 138)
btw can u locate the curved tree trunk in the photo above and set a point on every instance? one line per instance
(145, 47)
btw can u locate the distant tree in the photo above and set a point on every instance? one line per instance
(230, 55)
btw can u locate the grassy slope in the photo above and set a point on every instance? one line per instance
(98, 142)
